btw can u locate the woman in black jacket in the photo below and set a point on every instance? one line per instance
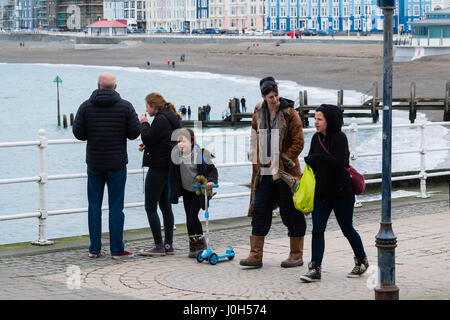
(333, 190)
(157, 146)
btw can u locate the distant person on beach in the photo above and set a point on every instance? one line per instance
(106, 121)
(173, 64)
(189, 161)
(274, 172)
(168, 64)
(157, 145)
(189, 112)
(333, 190)
(244, 108)
(148, 64)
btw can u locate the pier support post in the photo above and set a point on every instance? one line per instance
(386, 241)
(446, 102)
(374, 112)
(65, 121)
(412, 103)
(340, 99)
(300, 107)
(42, 240)
(305, 103)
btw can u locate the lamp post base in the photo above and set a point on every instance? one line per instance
(387, 293)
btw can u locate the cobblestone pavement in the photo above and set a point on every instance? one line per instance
(422, 264)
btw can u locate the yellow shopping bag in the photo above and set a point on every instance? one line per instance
(304, 194)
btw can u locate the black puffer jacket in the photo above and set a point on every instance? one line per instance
(332, 180)
(157, 139)
(105, 120)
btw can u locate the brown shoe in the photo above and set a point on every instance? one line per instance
(295, 258)
(254, 259)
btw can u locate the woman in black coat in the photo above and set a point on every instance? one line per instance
(157, 146)
(333, 190)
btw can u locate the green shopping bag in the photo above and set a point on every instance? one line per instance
(304, 194)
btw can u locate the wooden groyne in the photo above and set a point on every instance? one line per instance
(370, 106)
(216, 123)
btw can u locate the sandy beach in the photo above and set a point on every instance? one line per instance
(334, 65)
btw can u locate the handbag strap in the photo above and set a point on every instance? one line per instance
(323, 147)
(328, 152)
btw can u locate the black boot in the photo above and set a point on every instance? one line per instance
(314, 274)
(361, 266)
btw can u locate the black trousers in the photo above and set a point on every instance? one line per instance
(266, 193)
(192, 207)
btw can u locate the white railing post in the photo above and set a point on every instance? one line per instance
(423, 173)
(353, 153)
(42, 241)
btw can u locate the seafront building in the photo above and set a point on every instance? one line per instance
(25, 14)
(7, 14)
(440, 4)
(341, 15)
(323, 16)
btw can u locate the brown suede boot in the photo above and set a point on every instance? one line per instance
(295, 258)
(254, 259)
(197, 243)
(192, 251)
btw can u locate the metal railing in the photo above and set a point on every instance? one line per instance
(43, 178)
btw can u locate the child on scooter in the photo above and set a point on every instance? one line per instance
(189, 162)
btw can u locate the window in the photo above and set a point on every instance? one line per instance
(293, 12)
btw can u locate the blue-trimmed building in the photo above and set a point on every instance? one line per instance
(341, 15)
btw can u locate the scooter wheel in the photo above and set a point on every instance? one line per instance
(213, 258)
(199, 257)
(231, 257)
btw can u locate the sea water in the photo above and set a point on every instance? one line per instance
(28, 103)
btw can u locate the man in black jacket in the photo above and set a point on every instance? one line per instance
(105, 121)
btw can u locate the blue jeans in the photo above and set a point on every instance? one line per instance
(115, 180)
(343, 210)
(157, 192)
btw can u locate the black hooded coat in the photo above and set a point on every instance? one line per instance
(332, 180)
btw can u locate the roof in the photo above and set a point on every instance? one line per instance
(107, 24)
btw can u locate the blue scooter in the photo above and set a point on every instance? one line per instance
(208, 254)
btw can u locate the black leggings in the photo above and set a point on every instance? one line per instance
(156, 192)
(266, 193)
(192, 207)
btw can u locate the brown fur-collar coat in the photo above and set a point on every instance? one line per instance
(291, 142)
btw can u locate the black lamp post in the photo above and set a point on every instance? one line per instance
(386, 241)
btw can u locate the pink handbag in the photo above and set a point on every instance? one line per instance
(358, 182)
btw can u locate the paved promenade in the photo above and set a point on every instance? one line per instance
(65, 272)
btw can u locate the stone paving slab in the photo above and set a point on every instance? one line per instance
(422, 264)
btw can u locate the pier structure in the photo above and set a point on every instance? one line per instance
(371, 104)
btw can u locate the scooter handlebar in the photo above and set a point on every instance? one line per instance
(203, 186)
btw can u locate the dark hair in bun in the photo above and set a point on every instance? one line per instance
(267, 85)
